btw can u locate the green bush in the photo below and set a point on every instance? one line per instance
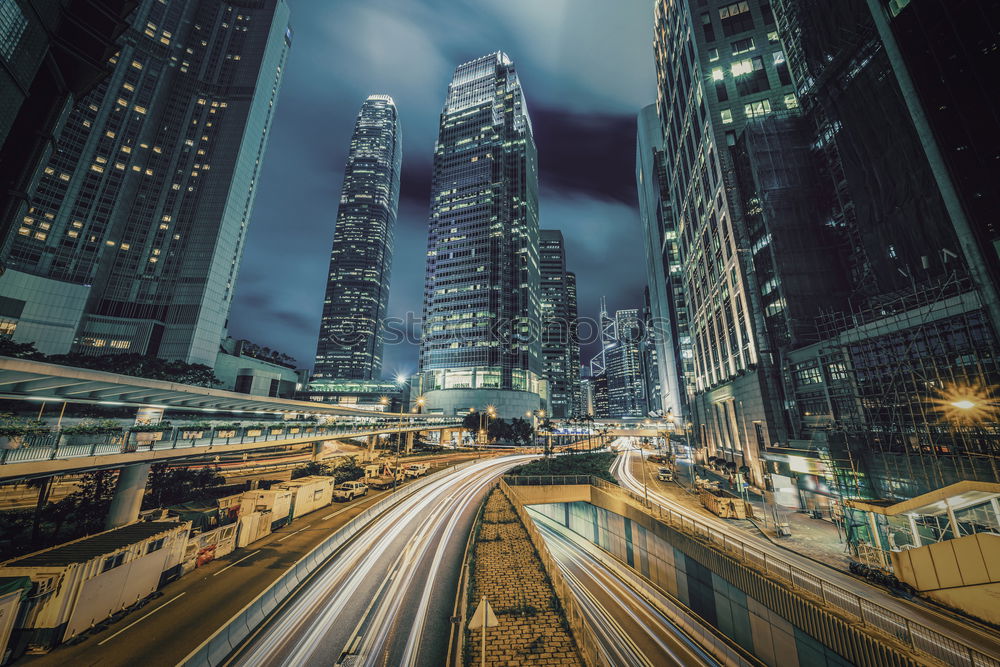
(12, 427)
(150, 428)
(94, 427)
(596, 465)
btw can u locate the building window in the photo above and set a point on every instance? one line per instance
(781, 67)
(706, 25)
(155, 545)
(750, 76)
(727, 116)
(791, 102)
(713, 55)
(735, 18)
(757, 109)
(12, 26)
(742, 46)
(111, 562)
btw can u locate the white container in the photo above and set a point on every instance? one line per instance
(276, 500)
(310, 494)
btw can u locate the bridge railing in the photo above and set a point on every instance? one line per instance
(870, 614)
(67, 445)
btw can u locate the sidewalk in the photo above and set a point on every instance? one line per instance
(817, 539)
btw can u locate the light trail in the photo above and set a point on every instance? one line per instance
(630, 629)
(370, 604)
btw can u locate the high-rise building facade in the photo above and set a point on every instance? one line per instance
(885, 84)
(480, 342)
(720, 67)
(624, 371)
(667, 305)
(132, 236)
(558, 324)
(577, 407)
(53, 53)
(357, 288)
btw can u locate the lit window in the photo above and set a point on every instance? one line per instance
(791, 102)
(727, 116)
(136, 64)
(717, 74)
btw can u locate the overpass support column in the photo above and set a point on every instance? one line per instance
(446, 436)
(409, 441)
(128, 495)
(372, 439)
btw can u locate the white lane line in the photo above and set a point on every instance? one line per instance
(235, 563)
(282, 539)
(352, 506)
(139, 620)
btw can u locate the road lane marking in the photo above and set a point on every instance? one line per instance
(235, 563)
(106, 640)
(282, 539)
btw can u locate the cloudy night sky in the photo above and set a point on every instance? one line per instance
(586, 67)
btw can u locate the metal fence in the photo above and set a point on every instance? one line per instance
(228, 638)
(56, 445)
(871, 614)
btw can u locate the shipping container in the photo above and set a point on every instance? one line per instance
(276, 500)
(310, 494)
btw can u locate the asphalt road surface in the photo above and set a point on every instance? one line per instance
(630, 628)
(387, 597)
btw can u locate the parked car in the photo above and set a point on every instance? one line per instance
(415, 469)
(665, 475)
(350, 491)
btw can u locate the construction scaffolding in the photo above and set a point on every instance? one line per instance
(910, 379)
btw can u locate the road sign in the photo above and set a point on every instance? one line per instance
(484, 614)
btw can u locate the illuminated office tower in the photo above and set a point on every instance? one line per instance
(480, 342)
(357, 289)
(132, 233)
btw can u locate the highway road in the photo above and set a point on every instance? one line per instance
(631, 629)
(627, 468)
(387, 597)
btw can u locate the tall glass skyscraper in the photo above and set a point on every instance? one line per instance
(134, 228)
(480, 343)
(357, 290)
(557, 325)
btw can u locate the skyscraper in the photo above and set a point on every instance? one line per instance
(558, 323)
(357, 289)
(53, 53)
(576, 390)
(721, 69)
(480, 342)
(132, 236)
(626, 382)
(667, 305)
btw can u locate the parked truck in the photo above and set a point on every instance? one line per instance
(386, 479)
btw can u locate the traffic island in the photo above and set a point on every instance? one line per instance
(506, 569)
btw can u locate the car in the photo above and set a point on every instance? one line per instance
(350, 491)
(665, 475)
(415, 470)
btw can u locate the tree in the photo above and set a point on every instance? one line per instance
(10, 348)
(471, 423)
(170, 486)
(522, 431)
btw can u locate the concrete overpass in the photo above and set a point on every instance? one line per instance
(55, 453)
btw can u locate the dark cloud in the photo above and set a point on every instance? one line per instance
(586, 67)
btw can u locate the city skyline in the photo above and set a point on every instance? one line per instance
(583, 114)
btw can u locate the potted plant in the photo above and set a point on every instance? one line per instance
(194, 431)
(13, 431)
(90, 431)
(145, 433)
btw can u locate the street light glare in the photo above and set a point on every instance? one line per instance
(964, 404)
